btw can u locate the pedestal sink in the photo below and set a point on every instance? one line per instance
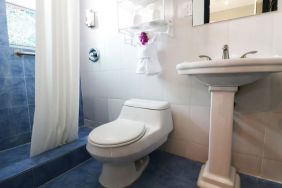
(223, 78)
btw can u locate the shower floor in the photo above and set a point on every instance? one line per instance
(15, 162)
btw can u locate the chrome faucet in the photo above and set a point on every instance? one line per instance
(225, 53)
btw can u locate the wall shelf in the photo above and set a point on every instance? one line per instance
(136, 16)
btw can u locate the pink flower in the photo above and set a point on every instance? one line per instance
(143, 38)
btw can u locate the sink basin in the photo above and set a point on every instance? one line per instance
(223, 78)
(231, 72)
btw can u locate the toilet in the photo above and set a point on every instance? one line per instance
(123, 145)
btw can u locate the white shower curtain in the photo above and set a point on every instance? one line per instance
(56, 74)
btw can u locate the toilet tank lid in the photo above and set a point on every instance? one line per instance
(147, 104)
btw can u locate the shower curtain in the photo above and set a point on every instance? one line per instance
(56, 74)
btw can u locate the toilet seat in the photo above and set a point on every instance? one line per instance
(117, 133)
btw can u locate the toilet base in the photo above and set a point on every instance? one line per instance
(122, 175)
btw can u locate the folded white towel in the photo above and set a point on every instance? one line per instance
(148, 62)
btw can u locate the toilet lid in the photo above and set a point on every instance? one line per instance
(117, 133)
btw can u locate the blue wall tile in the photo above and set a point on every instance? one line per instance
(19, 119)
(12, 92)
(16, 91)
(11, 65)
(4, 95)
(13, 122)
(30, 90)
(31, 115)
(14, 141)
(5, 131)
(29, 68)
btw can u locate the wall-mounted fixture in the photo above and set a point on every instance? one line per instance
(136, 16)
(90, 18)
(23, 52)
(94, 55)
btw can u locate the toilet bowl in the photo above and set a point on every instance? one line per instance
(122, 146)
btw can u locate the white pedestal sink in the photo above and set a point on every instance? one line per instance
(223, 78)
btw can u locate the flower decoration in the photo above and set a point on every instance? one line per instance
(143, 38)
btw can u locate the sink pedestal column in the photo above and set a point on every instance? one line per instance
(218, 172)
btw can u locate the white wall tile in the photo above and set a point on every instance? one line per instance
(273, 142)
(277, 30)
(114, 107)
(200, 95)
(187, 149)
(177, 147)
(198, 128)
(252, 33)
(254, 97)
(209, 39)
(130, 85)
(100, 113)
(248, 134)
(177, 89)
(92, 124)
(196, 152)
(180, 116)
(271, 170)
(150, 87)
(275, 93)
(247, 164)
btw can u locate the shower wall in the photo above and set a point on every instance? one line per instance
(16, 91)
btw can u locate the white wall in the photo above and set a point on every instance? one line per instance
(257, 148)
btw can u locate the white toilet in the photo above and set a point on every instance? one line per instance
(123, 145)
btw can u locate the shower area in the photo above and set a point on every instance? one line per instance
(17, 105)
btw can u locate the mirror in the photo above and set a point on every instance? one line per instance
(210, 11)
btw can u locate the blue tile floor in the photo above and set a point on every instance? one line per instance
(19, 153)
(164, 171)
(15, 161)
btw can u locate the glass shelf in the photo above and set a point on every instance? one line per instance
(159, 26)
(145, 15)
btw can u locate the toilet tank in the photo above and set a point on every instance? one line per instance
(152, 113)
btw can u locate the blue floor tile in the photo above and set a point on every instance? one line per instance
(164, 171)
(16, 160)
(268, 184)
(248, 181)
(22, 180)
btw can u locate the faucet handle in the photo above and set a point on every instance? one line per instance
(206, 57)
(245, 54)
(225, 47)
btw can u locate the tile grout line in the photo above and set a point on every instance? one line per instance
(6, 150)
(23, 62)
(263, 151)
